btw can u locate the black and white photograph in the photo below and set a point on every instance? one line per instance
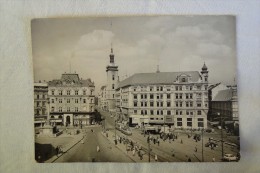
(135, 89)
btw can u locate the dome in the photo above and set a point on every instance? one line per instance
(204, 68)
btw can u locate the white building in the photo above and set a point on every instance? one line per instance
(179, 99)
(72, 100)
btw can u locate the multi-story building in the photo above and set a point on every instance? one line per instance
(112, 82)
(102, 101)
(40, 103)
(72, 100)
(179, 99)
(225, 103)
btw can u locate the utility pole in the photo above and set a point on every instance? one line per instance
(149, 149)
(115, 133)
(202, 149)
(222, 141)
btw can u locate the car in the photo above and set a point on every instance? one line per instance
(209, 144)
(230, 157)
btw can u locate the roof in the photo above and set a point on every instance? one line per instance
(39, 84)
(158, 78)
(70, 79)
(223, 95)
(204, 67)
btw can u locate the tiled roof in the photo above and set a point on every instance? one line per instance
(71, 79)
(223, 95)
(158, 78)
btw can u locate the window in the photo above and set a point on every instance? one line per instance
(76, 109)
(168, 96)
(52, 92)
(179, 121)
(145, 96)
(68, 109)
(177, 112)
(176, 88)
(151, 104)
(113, 77)
(76, 100)
(200, 122)
(60, 100)
(168, 104)
(68, 100)
(198, 104)
(180, 112)
(142, 96)
(135, 104)
(134, 89)
(135, 96)
(151, 112)
(158, 88)
(52, 109)
(113, 95)
(180, 88)
(199, 112)
(113, 86)
(190, 87)
(180, 96)
(161, 96)
(60, 109)
(68, 92)
(84, 92)
(190, 96)
(52, 100)
(168, 112)
(176, 96)
(84, 100)
(177, 104)
(189, 122)
(161, 88)
(158, 96)
(206, 79)
(183, 80)
(187, 113)
(161, 104)
(206, 87)
(135, 111)
(158, 112)
(142, 104)
(151, 88)
(187, 96)
(158, 104)
(145, 104)
(43, 96)
(60, 92)
(38, 96)
(145, 112)
(76, 92)
(142, 112)
(180, 104)
(151, 96)
(161, 112)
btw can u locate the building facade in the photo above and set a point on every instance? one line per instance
(72, 101)
(177, 99)
(102, 101)
(40, 103)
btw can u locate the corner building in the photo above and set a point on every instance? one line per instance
(72, 100)
(177, 99)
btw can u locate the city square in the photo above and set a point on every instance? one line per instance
(158, 111)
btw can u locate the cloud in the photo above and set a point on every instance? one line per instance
(96, 40)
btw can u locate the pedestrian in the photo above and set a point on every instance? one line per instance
(154, 140)
(158, 142)
(57, 151)
(196, 149)
(213, 159)
(155, 157)
(134, 152)
(98, 149)
(189, 160)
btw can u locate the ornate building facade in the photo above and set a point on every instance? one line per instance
(178, 99)
(40, 103)
(72, 100)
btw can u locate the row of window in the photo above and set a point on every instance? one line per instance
(68, 92)
(168, 96)
(189, 122)
(161, 112)
(68, 100)
(76, 109)
(165, 104)
(177, 88)
(44, 96)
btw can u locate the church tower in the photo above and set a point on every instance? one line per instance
(112, 81)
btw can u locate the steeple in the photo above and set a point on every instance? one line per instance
(112, 59)
(204, 68)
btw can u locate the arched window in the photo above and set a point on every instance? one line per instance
(113, 77)
(113, 86)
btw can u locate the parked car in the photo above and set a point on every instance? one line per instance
(230, 157)
(209, 144)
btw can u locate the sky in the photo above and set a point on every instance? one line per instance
(140, 43)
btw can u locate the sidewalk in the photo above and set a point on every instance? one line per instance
(123, 147)
(66, 147)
